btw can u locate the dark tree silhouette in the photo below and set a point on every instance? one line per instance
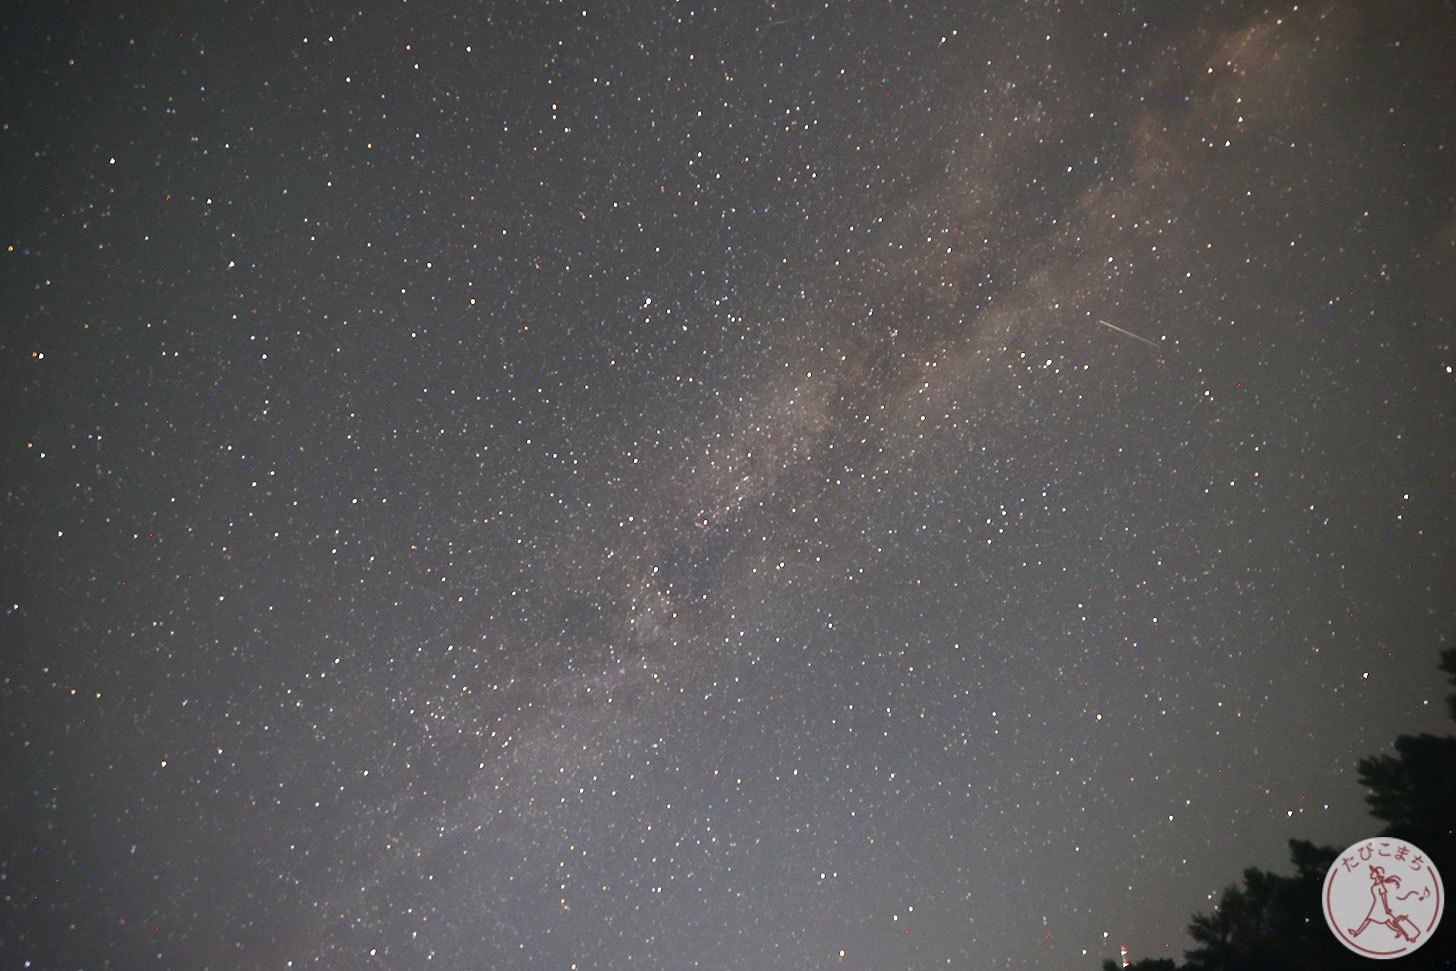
(1146, 964)
(1414, 793)
(1276, 923)
(1272, 922)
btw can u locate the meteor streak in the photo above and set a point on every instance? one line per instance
(1124, 330)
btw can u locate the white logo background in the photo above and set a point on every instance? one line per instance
(1383, 898)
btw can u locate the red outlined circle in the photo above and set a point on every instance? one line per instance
(1383, 898)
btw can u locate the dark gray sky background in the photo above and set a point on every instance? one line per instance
(597, 486)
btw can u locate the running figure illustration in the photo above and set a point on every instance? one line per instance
(1399, 924)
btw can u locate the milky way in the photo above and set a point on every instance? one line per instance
(856, 484)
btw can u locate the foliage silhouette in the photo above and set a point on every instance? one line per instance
(1146, 964)
(1277, 923)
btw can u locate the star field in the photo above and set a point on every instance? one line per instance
(844, 484)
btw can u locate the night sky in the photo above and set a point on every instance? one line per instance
(596, 485)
